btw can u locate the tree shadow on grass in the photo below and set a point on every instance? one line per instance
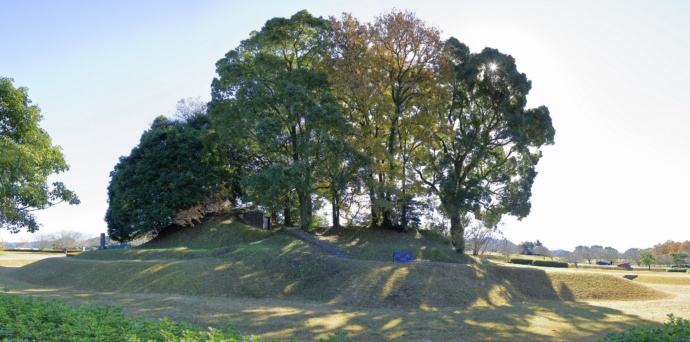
(397, 307)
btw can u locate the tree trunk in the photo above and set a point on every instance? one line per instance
(372, 208)
(304, 210)
(287, 221)
(336, 212)
(457, 231)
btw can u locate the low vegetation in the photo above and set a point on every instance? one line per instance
(265, 281)
(677, 270)
(226, 258)
(676, 329)
(550, 263)
(34, 319)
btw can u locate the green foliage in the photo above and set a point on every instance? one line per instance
(676, 329)
(338, 336)
(647, 259)
(488, 142)
(520, 261)
(33, 319)
(166, 175)
(679, 257)
(549, 263)
(27, 158)
(275, 103)
(317, 221)
(435, 254)
(678, 270)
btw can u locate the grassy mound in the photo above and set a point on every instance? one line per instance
(664, 279)
(379, 244)
(218, 231)
(226, 258)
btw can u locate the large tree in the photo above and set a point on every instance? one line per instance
(382, 72)
(484, 143)
(647, 259)
(27, 158)
(168, 178)
(273, 99)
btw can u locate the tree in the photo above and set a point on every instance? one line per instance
(663, 250)
(584, 252)
(598, 252)
(507, 248)
(572, 257)
(647, 258)
(485, 143)
(633, 254)
(611, 254)
(543, 251)
(66, 241)
(272, 99)
(167, 179)
(679, 258)
(381, 73)
(27, 158)
(478, 234)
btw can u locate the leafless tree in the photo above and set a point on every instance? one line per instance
(478, 234)
(633, 254)
(543, 251)
(43, 241)
(572, 257)
(68, 240)
(611, 254)
(507, 248)
(597, 252)
(190, 108)
(584, 253)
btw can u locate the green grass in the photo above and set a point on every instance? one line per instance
(379, 244)
(275, 277)
(275, 265)
(34, 319)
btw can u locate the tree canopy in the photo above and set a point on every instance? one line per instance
(273, 100)
(27, 158)
(168, 178)
(383, 114)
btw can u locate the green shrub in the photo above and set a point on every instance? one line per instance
(29, 319)
(435, 254)
(677, 329)
(676, 270)
(549, 263)
(521, 261)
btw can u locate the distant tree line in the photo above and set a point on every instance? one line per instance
(380, 114)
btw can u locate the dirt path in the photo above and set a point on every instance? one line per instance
(309, 238)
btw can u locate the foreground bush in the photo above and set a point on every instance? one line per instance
(677, 329)
(29, 319)
(548, 263)
(521, 261)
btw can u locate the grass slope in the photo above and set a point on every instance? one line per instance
(227, 259)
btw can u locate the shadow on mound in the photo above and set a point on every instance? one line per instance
(298, 273)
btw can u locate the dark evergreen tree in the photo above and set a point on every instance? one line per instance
(167, 179)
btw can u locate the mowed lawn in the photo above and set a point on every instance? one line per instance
(515, 303)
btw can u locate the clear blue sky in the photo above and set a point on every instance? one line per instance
(614, 75)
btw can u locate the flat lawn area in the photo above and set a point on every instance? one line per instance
(18, 259)
(304, 320)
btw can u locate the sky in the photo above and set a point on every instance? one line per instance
(614, 75)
